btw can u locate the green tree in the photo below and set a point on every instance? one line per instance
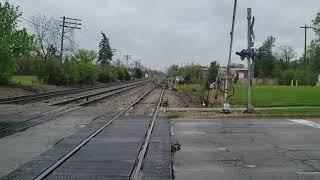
(13, 43)
(84, 55)
(314, 50)
(105, 52)
(265, 65)
(316, 23)
(213, 71)
(192, 73)
(138, 73)
(172, 70)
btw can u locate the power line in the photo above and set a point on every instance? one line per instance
(66, 23)
(31, 22)
(127, 57)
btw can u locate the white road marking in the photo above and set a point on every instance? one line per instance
(191, 132)
(251, 166)
(308, 173)
(305, 122)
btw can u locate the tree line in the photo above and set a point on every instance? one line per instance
(36, 53)
(276, 62)
(281, 62)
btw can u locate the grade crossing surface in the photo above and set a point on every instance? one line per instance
(109, 155)
(112, 153)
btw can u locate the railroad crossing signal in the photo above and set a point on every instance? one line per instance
(245, 53)
(249, 54)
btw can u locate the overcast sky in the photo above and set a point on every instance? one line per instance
(165, 32)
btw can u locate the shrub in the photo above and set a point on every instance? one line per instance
(28, 65)
(72, 72)
(88, 73)
(287, 76)
(122, 73)
(138, 73)
(52, 72)
(106, 75)
(304, 77)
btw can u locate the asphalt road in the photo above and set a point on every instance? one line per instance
(242, 149)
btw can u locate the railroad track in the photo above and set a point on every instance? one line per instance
(39, 96)
(11, 128)
(136, 173)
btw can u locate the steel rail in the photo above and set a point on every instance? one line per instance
(68, 101)
(48, 171)
(136, 172)
(39, 96)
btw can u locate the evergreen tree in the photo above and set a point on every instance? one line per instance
(265, 66)
(105, 52)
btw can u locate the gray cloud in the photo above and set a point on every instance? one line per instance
(179, 31)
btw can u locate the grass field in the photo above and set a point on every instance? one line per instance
(25, 80)
(272, 96)
(302, 111)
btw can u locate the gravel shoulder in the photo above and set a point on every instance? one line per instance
(11, 91)
(181, 99)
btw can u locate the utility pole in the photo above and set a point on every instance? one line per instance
(305, 42)
(226, 104)
(67, 23)
(250, 46)
(62, 38)
(127, 57)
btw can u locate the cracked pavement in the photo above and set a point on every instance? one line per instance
(246, 149)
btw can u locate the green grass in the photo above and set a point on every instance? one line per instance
(194, 89)
(303, 111)
(282, 96)
(25, 80)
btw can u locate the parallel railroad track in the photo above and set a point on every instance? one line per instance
(11, 128)
(40, 96)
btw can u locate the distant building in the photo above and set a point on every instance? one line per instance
(243, 72)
